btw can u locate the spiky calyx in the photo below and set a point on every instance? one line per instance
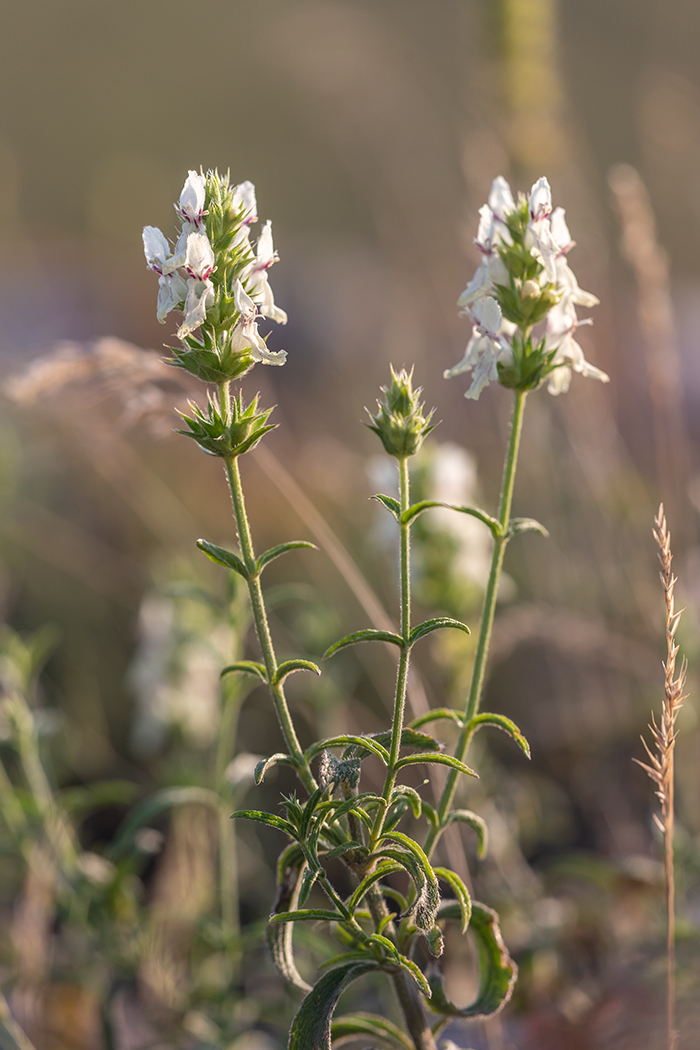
(227, 437)
(400, 422)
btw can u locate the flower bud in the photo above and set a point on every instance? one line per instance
(400, 422)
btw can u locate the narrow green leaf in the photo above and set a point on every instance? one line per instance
(271, 819)
(478, 823)
(367, 635)
(503, 723)
(411, 796)
(441, 760)
(438, 713)
(344, 847)
(307, 915)
(309, 810)
(418, 508)
(341, 807)
(246, 667)
(417, 974)
(409, 738)
(289, 666)
(497, 971)
(369, 880)
(311, 1028)
(152, 807)
(435, 941)
(350, 1026)
(280, 759)
(460, 891)
(290, 874)
(223, 557)
(391, 504)
(525, 525)
(365, 742)
(282, 548)
(428, 900)
(436, 624)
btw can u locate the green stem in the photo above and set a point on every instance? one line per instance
(482, 651)
(404, 658)
(262, 626)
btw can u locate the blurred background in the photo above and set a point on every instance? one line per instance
(372, 130)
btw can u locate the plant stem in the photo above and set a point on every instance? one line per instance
(262, 626)
(670, 888)
(404, 657)
(482, 651)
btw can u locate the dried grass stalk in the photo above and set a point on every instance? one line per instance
(661, 758)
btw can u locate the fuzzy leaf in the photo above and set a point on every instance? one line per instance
(497, 971)
(418, 508)
(350, 1026)
(409, 738)
(311, 1028)
(525, 525)
(369, 880)
(428, 900)
(439, 759)
(246, 667)
(289, 666)
(280, 759)
(367, 635)
(282, 548)
(155, 805)
(417, 974)
(436, 625)
(365, 742)
(290, 873)
(345, 847)
(436, 714)
(411, 796)
(391, 504)
(461, 893)
(465, 816)
(500, 722)
(223, 557)
(271, 819)
(307, 914)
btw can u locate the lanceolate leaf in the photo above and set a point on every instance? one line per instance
(153, 807)
(307, 914)
(391, 504)
(289, 666)
(497, 971)
(436, 625)
(311, 1028)
(223, 557)
(350, 1026)
(474, 512)
(441, 760)
(270, 819)
(290, 872)
(368, 635)
(409, 738)
(274, 760)
(436, 714)
(247, 667)
(525, 525)
(500, 722)
(282, 548)
(428, 900)
(368, 881)
(466, 816)
(410, 795)
(417, 974)
(365, 742)
(460, 891)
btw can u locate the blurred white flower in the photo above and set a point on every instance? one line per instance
(256, 279)
(488, 345)
(244, 199)
(191, 206)
(561, 327)
(246, 335)
(198, 264)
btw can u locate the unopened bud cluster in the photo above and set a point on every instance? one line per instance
(400, 421)
(523, 281)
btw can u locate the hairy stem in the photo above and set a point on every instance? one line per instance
(262, 626)
(482, 651)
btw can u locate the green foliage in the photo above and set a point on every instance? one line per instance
(227, 432)
(400, 423)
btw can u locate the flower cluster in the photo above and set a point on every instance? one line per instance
(216, 278)
(400, 422)
(523, 279)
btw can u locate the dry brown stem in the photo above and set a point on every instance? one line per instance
(661, 759)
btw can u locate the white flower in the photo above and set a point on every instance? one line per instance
(544, 246)
(501, 200)
(171, 288)
(199, 264)
(561, 326)
(192, 198)
(256, 277)
(540, 203)
(491, 270)
(567, 284)
(244, 198)
(245, 336)
(488, 345)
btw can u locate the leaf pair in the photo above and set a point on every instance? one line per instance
(229, 560)
(515, 526)
(369, 634)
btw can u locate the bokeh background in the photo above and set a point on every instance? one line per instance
(372, 131)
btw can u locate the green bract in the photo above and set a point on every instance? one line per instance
(400, 422)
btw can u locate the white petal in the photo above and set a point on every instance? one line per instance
(484, 235)
(155, 247)
(192, 197)
(487, 314)
(477, 288)
(267, 305)
(171, 292)
(559, 380)
(545, 247)
(244, 304)
(199, 256)
(200, 295)
(560, 231)
(265, 249)
(540, 203)
(244, 197)
(501, 198)
(569, 286)
(471, 355)
(245, 336)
